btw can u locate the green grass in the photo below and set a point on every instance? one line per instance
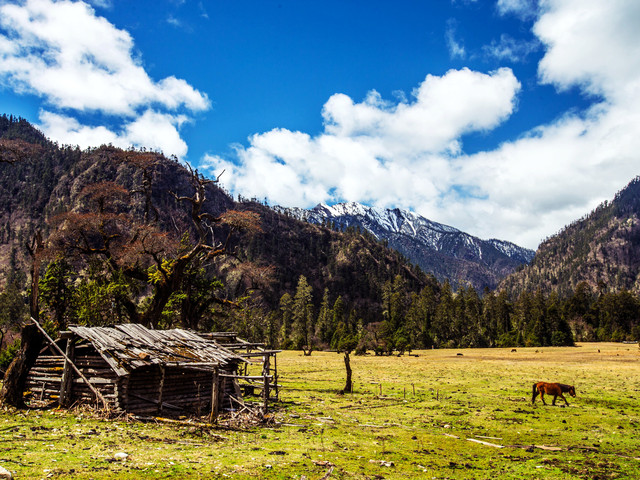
(410, 417)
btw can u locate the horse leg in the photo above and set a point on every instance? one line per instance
(554, 399)
(535, 394)
(542, 396)
(565, 400)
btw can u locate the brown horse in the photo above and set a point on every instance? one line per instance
(555, 389)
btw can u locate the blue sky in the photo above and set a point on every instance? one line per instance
(506, 118)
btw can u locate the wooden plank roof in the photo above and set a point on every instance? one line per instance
(130, 346)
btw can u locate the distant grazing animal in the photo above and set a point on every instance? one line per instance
(514, 350)
(555, 389)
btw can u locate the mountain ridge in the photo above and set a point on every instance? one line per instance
(445, 251)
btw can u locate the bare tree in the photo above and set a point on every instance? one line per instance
(139, 250)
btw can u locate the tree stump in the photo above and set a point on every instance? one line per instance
(348, 387)
(16, 375)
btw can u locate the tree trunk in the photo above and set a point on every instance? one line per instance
(348, 387)
(35, 250)
(16, 376)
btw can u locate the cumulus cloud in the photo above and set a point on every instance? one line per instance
(79, 62)
(410, 154)
(153, 130)
(591, 44)
(375, 151)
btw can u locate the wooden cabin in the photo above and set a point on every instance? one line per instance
(133, 369)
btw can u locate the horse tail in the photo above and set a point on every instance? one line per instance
(534, 394)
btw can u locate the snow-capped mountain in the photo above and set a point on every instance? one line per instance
(444, 251)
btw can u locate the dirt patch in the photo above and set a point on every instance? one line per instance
(587, 469)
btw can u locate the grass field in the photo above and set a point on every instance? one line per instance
(420, 416)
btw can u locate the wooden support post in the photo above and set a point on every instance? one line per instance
(162, 370)
(275, 375)
(265, 390)
(215, 388)
(66, 384)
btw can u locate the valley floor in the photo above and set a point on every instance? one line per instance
(462, 413)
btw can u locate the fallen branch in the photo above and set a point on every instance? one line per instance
(359, 407)
(328, 474)
(205, 426)
(482, 442)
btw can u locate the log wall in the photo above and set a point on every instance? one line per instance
(45, 378)
(144, 392)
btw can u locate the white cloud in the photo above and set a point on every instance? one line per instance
(102, 3)
(534, 186)
(152, 130)
(77, 61)
(203, 11)
(374, 151)
(592, 44)
(411, 155)
(171, 20)
(157, 131)
(521, 8)
(69, 131)
(510, 49)
(456, 48)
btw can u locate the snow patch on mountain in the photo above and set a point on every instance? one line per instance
(419, 239)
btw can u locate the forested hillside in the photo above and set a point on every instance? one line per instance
(593, 265)
(108, 236)
(601, 249)
(112, 221)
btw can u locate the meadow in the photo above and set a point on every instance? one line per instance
(457, 414)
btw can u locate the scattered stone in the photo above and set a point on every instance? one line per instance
(383, 463)
(121, 456)
(4, 473)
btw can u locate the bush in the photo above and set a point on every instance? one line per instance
(7, 355)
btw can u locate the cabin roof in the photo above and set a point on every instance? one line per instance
(130, 346)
